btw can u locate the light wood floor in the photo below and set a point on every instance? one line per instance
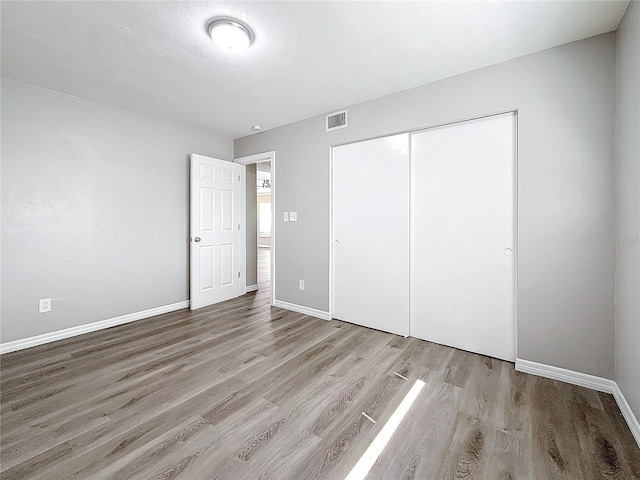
(245, 391)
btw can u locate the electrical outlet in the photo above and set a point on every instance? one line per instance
(301, 285)
(45, 305)
(286, 216)
(293, 216)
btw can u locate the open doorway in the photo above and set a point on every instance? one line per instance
(259, 248)
(264, 221)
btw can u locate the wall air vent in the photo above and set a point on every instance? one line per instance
(337, 120)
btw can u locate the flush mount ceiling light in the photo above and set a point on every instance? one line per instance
(230, 34)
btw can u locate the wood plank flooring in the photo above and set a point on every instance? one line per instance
(242, 390)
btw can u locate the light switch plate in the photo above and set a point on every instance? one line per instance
(293, 216)
(286, 216)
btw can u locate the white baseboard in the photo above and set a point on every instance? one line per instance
(584, 380)
(568, 376)
(89, 327)
(627, 413)
(251, 288)
(312, 312)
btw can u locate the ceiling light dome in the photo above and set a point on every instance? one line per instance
(230, 34)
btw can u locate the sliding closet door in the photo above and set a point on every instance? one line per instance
(463, 235)
(371, 233)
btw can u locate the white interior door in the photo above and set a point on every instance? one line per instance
(371, 233)
(215, 230)
(463, 235)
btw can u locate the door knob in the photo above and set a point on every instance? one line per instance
(336, 242)
(196, 239)
(508, 252)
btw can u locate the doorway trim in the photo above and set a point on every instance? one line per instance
(250, 160)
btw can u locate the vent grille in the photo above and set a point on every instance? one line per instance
(337, 120)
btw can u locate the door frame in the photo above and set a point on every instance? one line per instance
(250, 160)
(513, 110)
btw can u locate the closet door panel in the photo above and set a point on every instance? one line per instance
(371, 233)
(463, 243)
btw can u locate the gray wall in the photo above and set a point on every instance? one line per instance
(94, 209)
(628, 209)
(566, 99)
(252, 226)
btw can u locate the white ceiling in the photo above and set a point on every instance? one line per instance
(309, 58)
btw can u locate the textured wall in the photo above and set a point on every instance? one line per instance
(95, 209)
(566, 99)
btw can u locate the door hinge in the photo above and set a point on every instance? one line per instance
(238, 274)
(238, 226)
(238, 177)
